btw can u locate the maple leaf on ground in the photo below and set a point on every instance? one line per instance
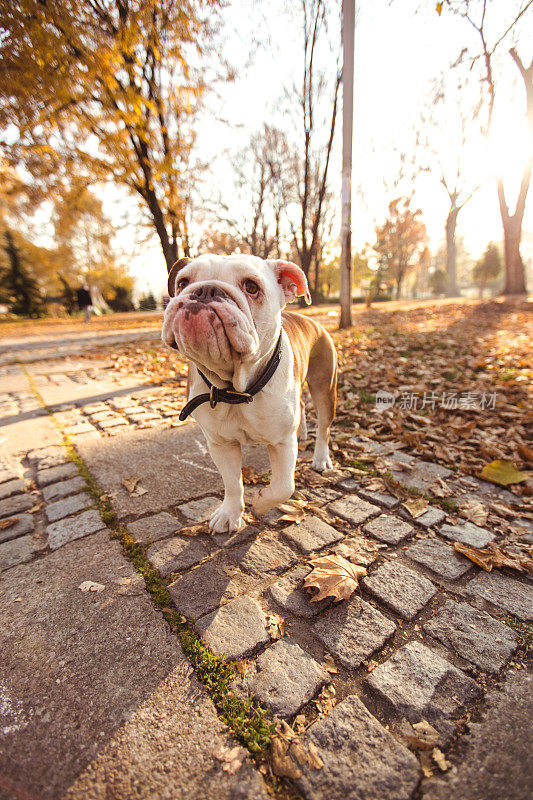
(293, 511)
(503, 473)
(131, 484)
(333, 576)
(494, 556)
(474, 511)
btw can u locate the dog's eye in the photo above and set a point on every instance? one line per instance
(182, 283)
(251, 286)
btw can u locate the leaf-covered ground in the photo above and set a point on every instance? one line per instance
(460, 373)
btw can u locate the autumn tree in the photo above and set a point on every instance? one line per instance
(255, 213)
(316, 101)
(106, 89)
(487, 268)
(446, 152)
(484, 54)
(400, 240)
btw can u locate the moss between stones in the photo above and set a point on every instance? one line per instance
(246, 719)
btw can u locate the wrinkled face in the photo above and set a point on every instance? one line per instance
(226, 309)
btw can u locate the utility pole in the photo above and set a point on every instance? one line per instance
(348, 25)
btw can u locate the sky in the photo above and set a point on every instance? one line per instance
(400, 48)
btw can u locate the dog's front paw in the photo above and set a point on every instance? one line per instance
(320, 463)
(226, 519)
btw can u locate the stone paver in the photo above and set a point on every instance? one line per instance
(288, 593)
(504, 592)
(67, 506)
(55, 491)
(361, 760)
(10, 473)
(199, 510)
(18, 551)
(47, 457)
(237, 537)
(401, 589)
(154, 527)
(353, 509)
(67, 530)
(81, 427)
(204, 588)
(176, 554)
(264, 556)
(236, 629)
(388, 529)
(24, 524)
(9, 488)
(468, 533)
(104, 700)
(311, 534)
(423, 473)
(475, 636)
(284, 678)
(439, 557)
(53, 474)
(383, 499)
(16, 505)
(353, 631)
(433, 516)
(419, 684)
(496, 760)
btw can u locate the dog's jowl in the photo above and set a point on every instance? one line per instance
(248, 360)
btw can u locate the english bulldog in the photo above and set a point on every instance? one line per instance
(248, 360)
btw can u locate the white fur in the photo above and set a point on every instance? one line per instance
(234, 346)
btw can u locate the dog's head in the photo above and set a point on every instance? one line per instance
(227, 308)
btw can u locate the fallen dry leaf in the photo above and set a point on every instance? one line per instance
(300, 723)
(474, 511)
(131, 484)
(275, 626)
(326, 700)
(503, 473)
(416, 507)
(250, 476)
(293, 511)
(424, 736)
(526, 452)
(312, 478)
(493, 556)
(329, 664)
(91, 586)
(231, 758)
(440, 760)
(7, 523)
(333, 576)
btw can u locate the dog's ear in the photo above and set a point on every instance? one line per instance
(175, 268)
(291, 279)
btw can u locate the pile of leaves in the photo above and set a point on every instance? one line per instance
(422, 354)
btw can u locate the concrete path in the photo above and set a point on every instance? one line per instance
(97, 699)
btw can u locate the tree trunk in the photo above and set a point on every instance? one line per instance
(515, 279)
(451, 253)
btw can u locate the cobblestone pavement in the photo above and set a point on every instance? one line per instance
(429, 640)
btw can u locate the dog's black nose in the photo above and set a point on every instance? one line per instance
(207, 293)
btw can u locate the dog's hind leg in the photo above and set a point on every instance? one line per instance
(322, 381)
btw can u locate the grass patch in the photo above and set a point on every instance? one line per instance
(247, 719)
(524, 631)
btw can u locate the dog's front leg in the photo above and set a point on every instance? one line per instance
(282, 462)
(228, 460)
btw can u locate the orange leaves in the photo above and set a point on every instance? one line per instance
(333, 576)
